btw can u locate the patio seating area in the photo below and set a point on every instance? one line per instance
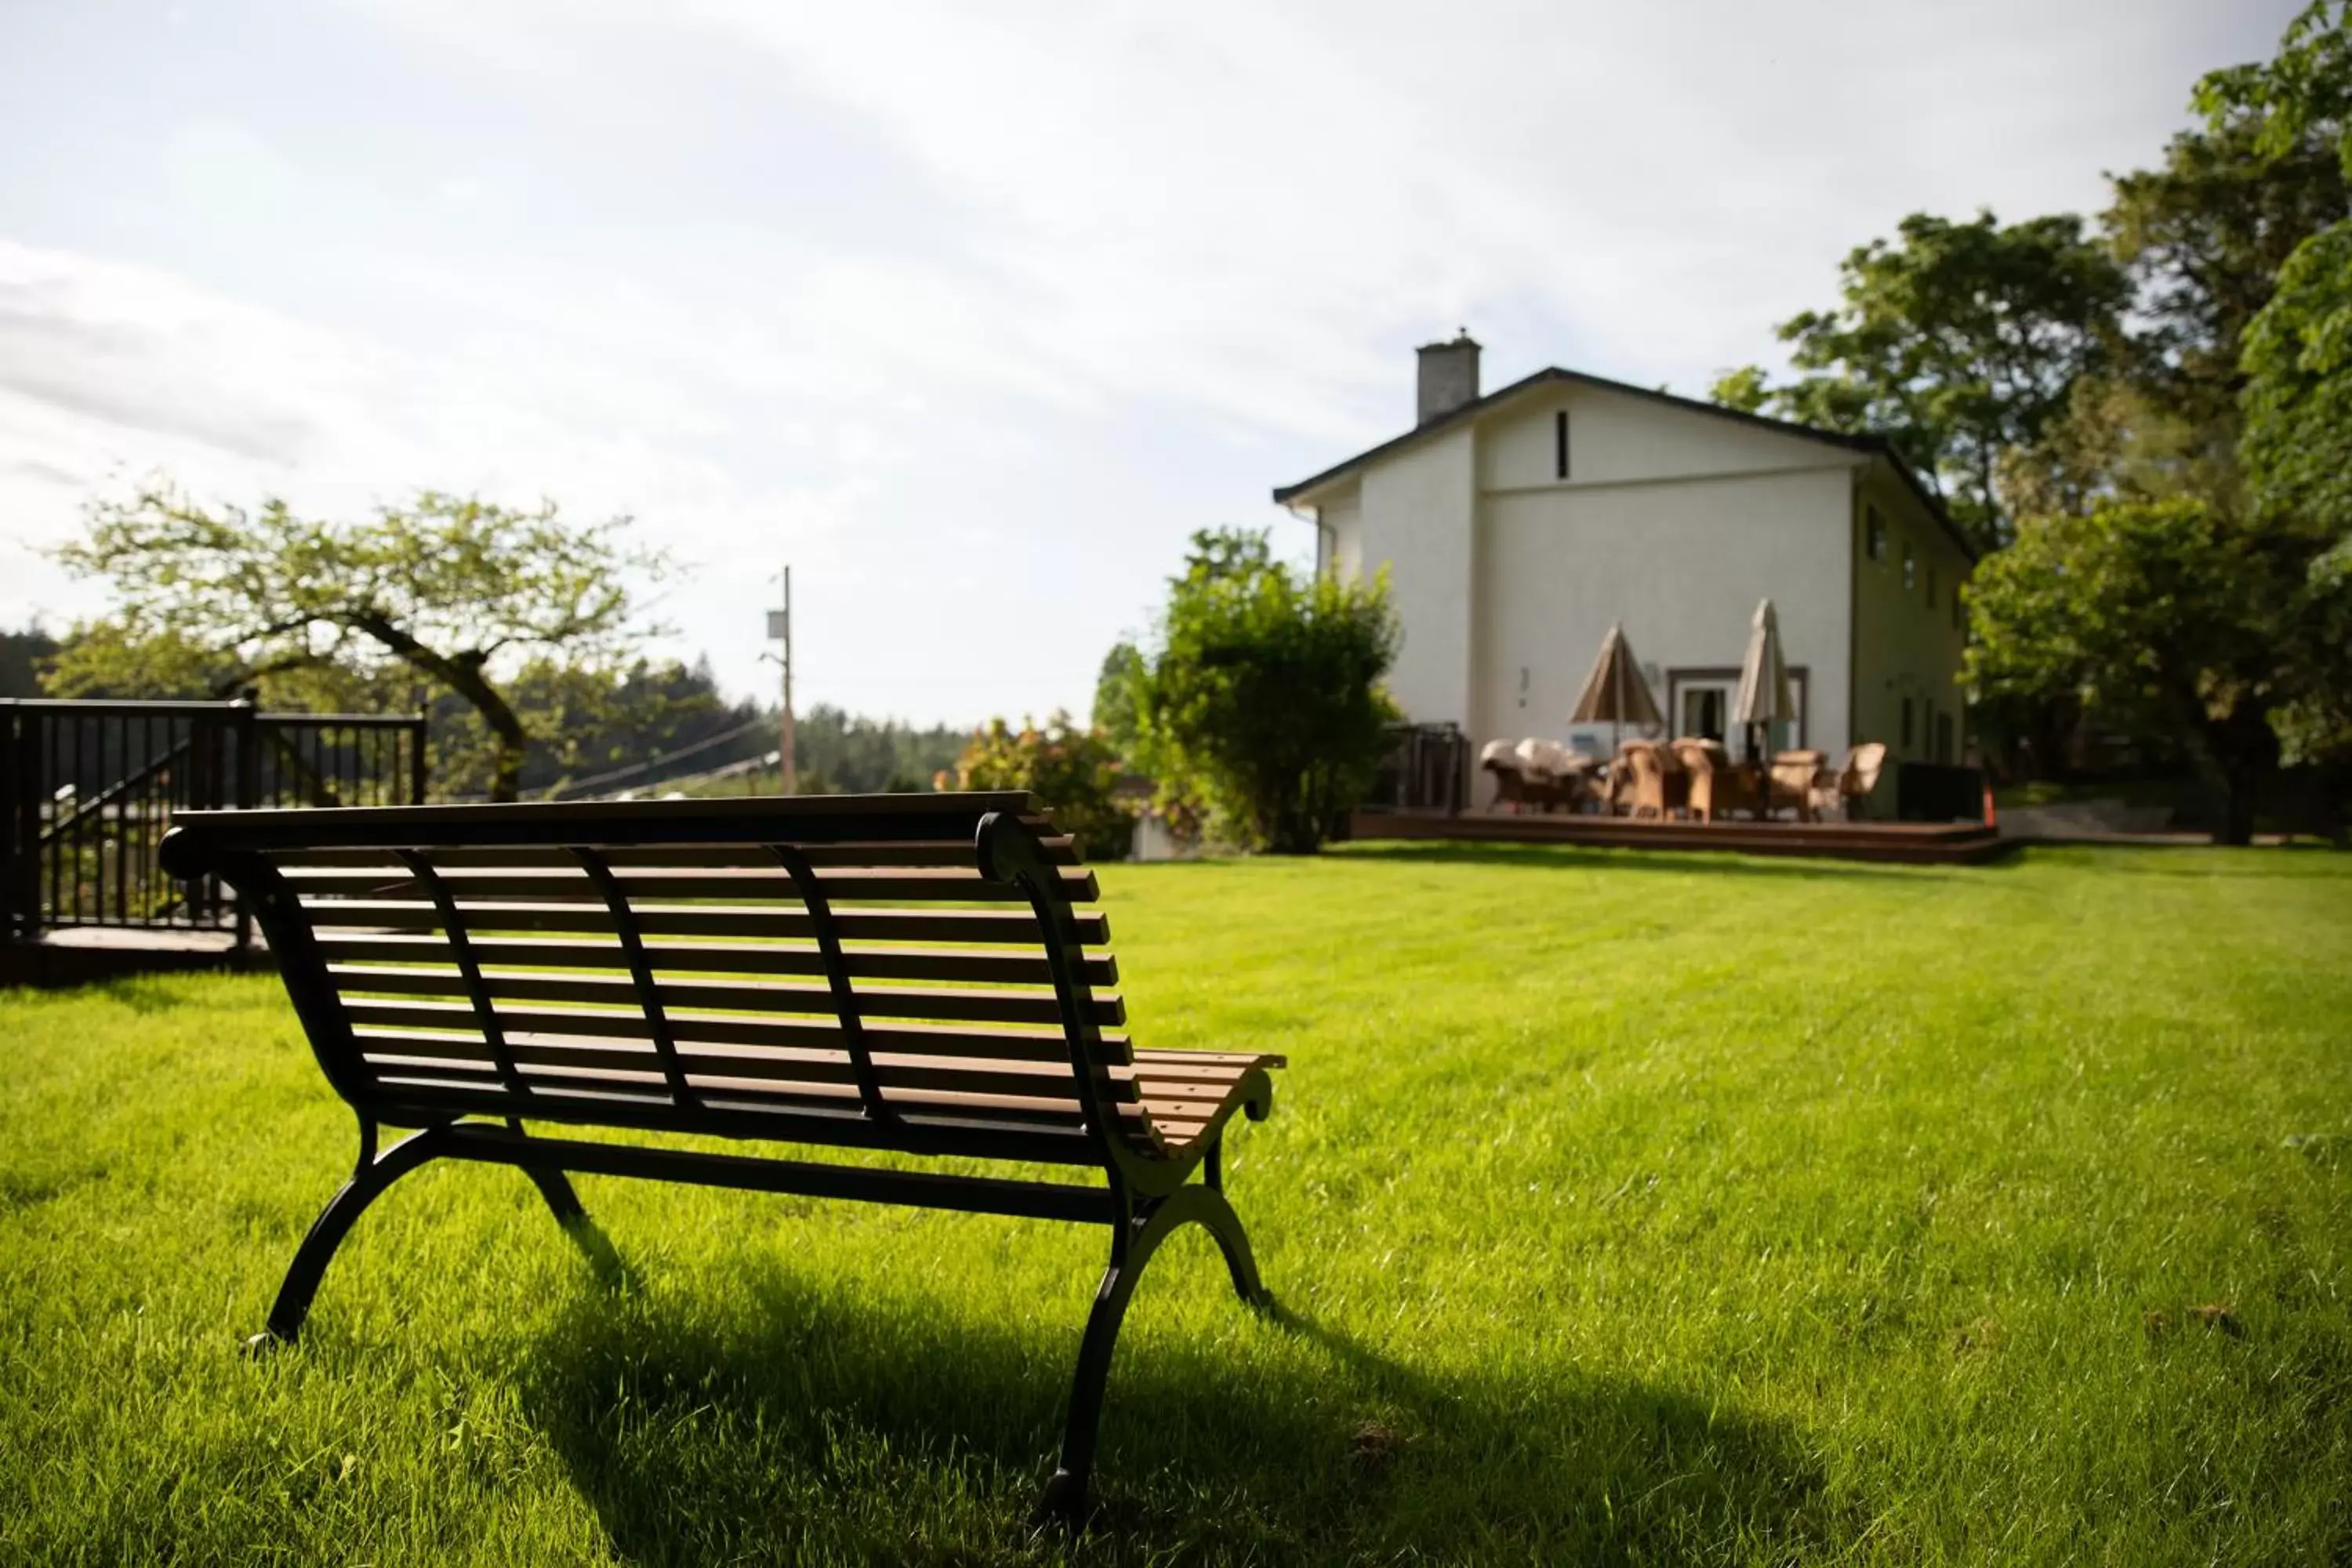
(1690, 778)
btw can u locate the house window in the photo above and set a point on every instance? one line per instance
(1559, 444)
(1910, 569)
(1907, 725)
(1873, 534)
(1704, 708)
(1699, 700)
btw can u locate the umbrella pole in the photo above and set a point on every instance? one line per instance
(1616, 732)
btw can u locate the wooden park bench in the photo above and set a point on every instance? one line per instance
(911, 973)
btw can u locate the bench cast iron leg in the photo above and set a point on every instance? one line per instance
(603, 1260)
(1131, 1249)
(373, 1175)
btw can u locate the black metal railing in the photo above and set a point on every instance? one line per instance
(1938, 792)
(1427, 770)
(89, 789)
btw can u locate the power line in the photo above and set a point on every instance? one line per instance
(577, 785)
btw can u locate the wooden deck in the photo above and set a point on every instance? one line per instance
(1910, 843)
(82, 956)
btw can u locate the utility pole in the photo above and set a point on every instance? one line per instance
(780, 630)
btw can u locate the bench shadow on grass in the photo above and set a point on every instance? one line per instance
(810, 1424)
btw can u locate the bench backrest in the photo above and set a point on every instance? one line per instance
(875, 969)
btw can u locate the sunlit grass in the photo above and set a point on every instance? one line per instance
(1621, 1209)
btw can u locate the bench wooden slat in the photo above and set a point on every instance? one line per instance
(1012, 1140)
(1010, 1112)
(945, 852)
(891, 926)
(575, 1067)
(697, 1030)
(874, 1002)
(1183, 1096)
(805, 819)
(865, 963)
(1046, 1084)
(1214, 1058)
(919, 884)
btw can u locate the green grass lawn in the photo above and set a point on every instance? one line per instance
(1621, 1209)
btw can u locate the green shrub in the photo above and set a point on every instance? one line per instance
(1073, 771)
(1264, 699)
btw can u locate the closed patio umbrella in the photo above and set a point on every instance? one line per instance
(1614, 693)
(1763, 700)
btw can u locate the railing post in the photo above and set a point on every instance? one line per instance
(25, 807)
(11, 808)
(243, 715)
(417, 761)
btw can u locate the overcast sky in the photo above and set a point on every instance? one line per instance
(972, 313)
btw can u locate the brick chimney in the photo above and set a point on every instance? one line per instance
(1449, 377)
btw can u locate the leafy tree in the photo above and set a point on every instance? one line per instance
(585, 722)
(2204, 236)
(2296, 362)
(1115, 689)
(2116, 440)
(1265, 696)
(1073, 771)
(2297, 354)
(437, 591)
(1958, 340)
(2298, 400)
(2160, 614)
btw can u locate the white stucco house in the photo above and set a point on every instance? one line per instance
(1517, 524)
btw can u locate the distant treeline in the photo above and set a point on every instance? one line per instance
(842, 753)
(21, 654)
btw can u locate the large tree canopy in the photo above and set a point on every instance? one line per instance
(449, 589)
(1959, 341)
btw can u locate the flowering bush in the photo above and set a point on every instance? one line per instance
(1073, 771)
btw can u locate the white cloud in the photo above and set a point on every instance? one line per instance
(109, 373)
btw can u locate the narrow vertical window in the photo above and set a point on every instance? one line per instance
(1910, 569)
(1873, 534)
(1559, 444)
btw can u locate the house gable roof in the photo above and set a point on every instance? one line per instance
(1872, 446)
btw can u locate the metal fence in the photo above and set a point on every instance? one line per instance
(1428, 769)
(89, 789)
